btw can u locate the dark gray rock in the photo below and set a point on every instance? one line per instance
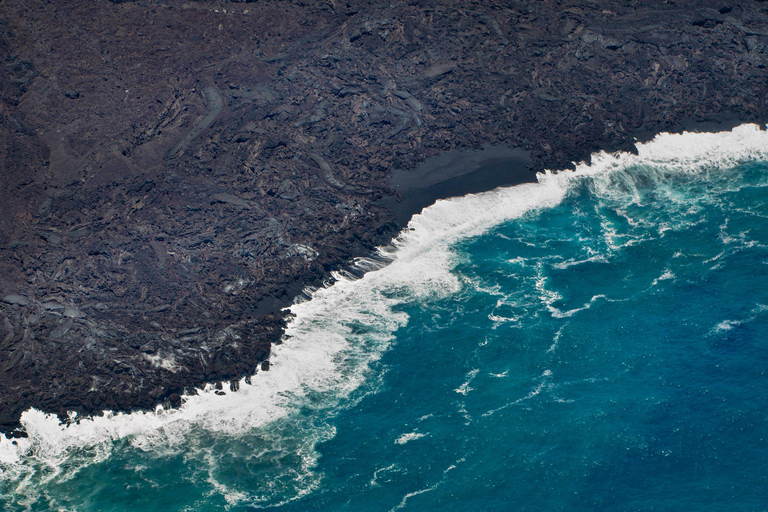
(20, 300)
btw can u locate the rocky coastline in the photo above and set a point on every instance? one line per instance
(174, 174)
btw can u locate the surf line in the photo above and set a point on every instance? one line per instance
(321, 352)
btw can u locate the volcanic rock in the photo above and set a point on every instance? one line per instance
(178, 166)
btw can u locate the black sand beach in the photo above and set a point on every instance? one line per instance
(456, 173)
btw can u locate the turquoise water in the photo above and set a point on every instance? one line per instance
(601, 344)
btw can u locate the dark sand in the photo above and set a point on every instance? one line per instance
(461, 172)
(457, 173)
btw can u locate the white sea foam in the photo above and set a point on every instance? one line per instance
(410, 436)
(666, 276)
(426, 489)
(464, 389)
(556, 339)
(557, 313)
(343, 329)
(728, 325)
(597, 258)
(541, 386)
(392, 468)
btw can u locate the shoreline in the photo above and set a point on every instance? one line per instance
(497, 166)
(160, 208)
(456, 173)
(463, 287)
(470, 171)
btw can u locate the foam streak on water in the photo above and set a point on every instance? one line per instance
(329, 361)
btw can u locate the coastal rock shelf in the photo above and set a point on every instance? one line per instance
(173, 175)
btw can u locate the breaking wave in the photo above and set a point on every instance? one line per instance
(329, 357)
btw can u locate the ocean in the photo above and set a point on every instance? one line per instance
(594, 341)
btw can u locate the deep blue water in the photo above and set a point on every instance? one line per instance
(605, 353)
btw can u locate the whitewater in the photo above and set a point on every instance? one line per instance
(521, 348)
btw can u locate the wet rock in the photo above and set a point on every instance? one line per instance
(174, 400)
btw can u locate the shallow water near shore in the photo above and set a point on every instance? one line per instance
(598, 340)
